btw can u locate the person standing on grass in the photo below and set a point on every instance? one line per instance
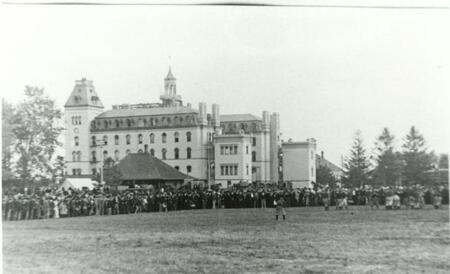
(279, 203)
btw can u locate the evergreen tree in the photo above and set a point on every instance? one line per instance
(388, 162)
(357, 164)
(417, 160)
(7, 140)
(36, 134)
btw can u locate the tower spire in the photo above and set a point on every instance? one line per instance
(170, 97)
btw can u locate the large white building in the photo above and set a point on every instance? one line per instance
(211, 147)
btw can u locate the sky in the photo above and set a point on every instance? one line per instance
(327, 71)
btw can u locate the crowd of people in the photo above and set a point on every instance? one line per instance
(61, 203)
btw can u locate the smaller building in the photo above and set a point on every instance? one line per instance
(299, 163)
(233, 159)
(144, 169)
(337, 171)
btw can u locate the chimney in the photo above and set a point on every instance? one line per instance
(265, 120)
(202, 113)
(215, 115)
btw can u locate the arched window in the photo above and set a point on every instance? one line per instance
(117, 123)
(188, 136)
(152, 122)
(116, 139)
(164, 137)
(76, 141)
(189, 169)
(93, 140)
(94, 156)
(169, 120)
(128, 137)
(140, 139)
(105, 140)
(79, 156)
(105, 124)
(74, 156)
(176, 137)
(176, 153)
(146, 148)
(127, 152)
(177, 167)
(188, 153)
(116, 155)
(152, 138)
(163, 153)
(253, 156)
(128, 123)
(105, 155)
(152, 152)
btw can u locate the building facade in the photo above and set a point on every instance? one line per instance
(187, 139)
(299, 163)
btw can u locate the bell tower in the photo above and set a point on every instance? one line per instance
(170, 97)
(80, 109)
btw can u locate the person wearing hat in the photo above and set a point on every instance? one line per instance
(279, 203)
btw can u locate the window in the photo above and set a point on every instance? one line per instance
(94, 156)
(253, 156)
(128, 122)
(79, 156)
(105, 123)
(76, 141)
(229, 149)
(188, 136)
(105, 155)
(94, 142)
(188, 153)
(176, 153)
(117, 123)
(105, 140)
(163, 137)
(246, 149)
(128, 137)
(94, 171)
(246, 169)
(222, 170)
(116, 155)
(152, 152)
(74, 156)
(152, 138)
(254, 141)
(140, 151)
(188, 169)
(140, 138)
(177, 167)
(312, 171)
(116, 139)
(163, 153)
(176, 137)
(146, 148)
(74, 171)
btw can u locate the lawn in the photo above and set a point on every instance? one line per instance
(311, 240)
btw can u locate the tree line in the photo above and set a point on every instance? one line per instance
(412, 164)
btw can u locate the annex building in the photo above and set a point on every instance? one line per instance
(209, 146)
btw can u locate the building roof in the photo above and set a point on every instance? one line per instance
(127, 112)
(143, 166)
(239, 117)
(320, 161)
(83, 94)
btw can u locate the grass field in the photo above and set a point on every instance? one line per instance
(233, 241)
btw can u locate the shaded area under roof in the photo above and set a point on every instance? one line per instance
(320, 161)
(143, 166)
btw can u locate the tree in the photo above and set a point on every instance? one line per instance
(7, 140)
(111, 173)
(357, 165)
(324, 176)
(443, 161)
(58, 168)
(388, 168)
(417, 160)
(36, 134)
